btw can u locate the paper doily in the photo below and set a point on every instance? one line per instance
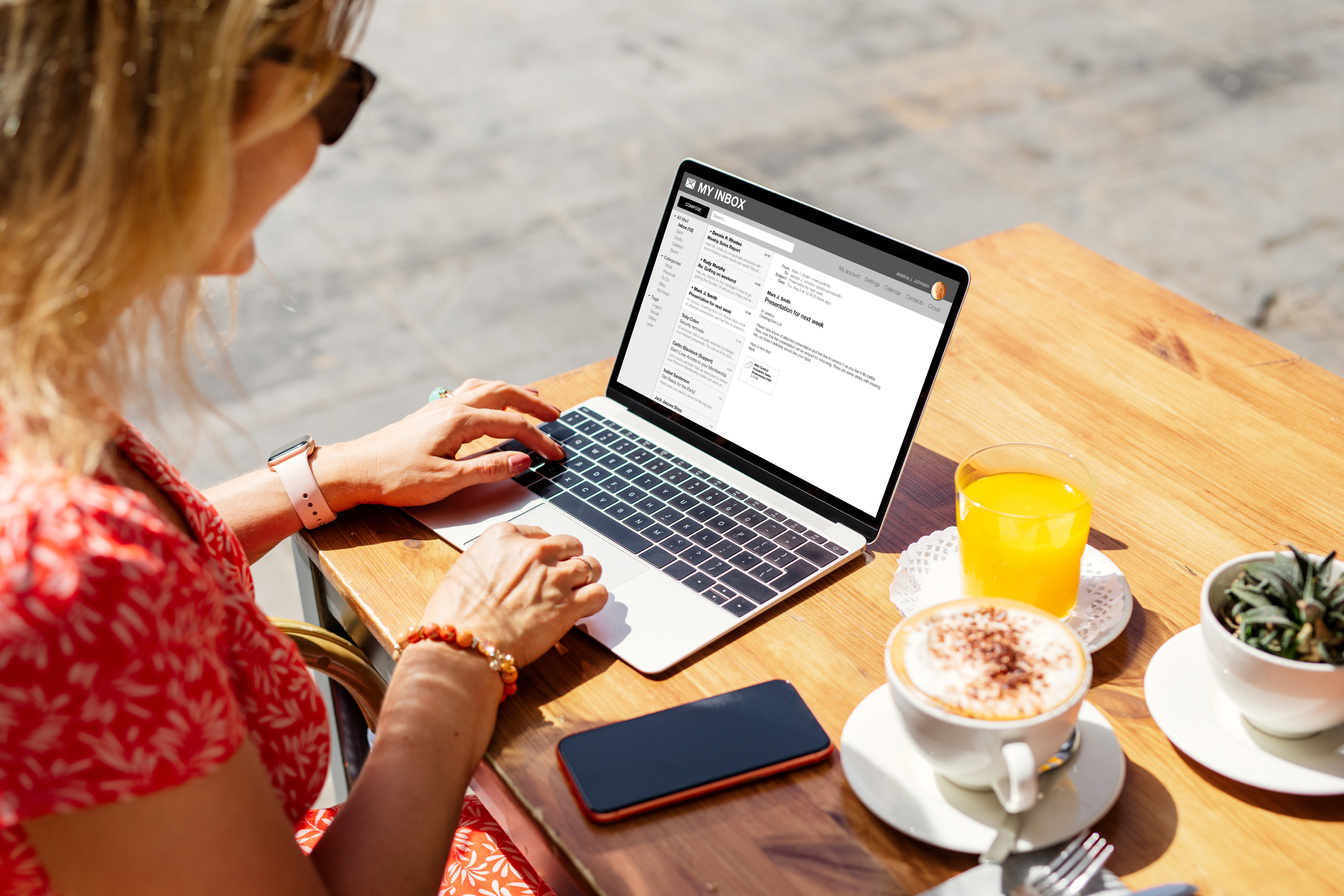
(930, 573)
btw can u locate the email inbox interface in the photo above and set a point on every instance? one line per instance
(783, 347)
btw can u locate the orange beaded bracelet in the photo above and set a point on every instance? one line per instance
(500, 661)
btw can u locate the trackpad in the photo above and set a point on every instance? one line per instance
(618, 567)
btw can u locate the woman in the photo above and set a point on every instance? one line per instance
(156, 734)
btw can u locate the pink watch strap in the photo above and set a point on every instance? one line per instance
(296, 474)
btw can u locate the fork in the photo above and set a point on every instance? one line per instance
(1071, 871)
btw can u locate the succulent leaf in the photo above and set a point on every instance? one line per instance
(1290, 606)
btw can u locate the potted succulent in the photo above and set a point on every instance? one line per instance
(1273, 630)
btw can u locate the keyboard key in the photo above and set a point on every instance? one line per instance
(658, 557)
(739, 607)
(749, 517)
(675, 543)
(675, 476)
(595, 474)
(706, 537)
(740, 534)
(815, 553)
(713, 496)
(679, 570)
(703, 512)
(577, 463)
(756, 505)
(738, 494)
(606, 437)
(694, 486)
(573, 418)
(623, 446)
(745, 585)
(724, 549)
(834, 548)
(744, 560)
(630, 471)
(611, 461)
(791, 540)
(632, 494)
(595, 451)
(775, 515)
(650, 505)
(546, 488)
(781, 557)
(526, 478)
(619, 511)
(627, 433)
(603, 500)
(681, 463)
(649, 482)
(586, 490)
(715, 567)
(682, 502)
(657, 465)
(711, 594)
(638, 521)
(686, 526)
(662, 491)
(764, 572)
(667, 516)
(615, 484)
(663, 453)
(556, 430)
(640, 456)
(795, 573)
(732, 507)
(576, 442)
(794, 525)
(723, 592)
(657, 532)
(694, 555)
(770, 529)
(815, 536)
(589, 426)
(721, 524)
(645, 443)
(567, 479)
(697, 581)
(760, 546)
(598, 520)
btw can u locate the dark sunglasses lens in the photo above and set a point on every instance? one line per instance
(338, 108)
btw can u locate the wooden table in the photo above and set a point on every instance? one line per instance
(1207, 442)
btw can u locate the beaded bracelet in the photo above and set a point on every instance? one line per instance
(500, 661)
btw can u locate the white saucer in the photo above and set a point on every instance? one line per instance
(893, 780)
(1194, 713)
(930, 573)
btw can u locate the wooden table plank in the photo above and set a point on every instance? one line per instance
(1207, 441)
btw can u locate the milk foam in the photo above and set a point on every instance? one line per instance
(991, 662)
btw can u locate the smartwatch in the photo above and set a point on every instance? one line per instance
(291, 462)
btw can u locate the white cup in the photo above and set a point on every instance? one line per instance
(1002, 755)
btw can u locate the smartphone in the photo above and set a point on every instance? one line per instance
(666, 757)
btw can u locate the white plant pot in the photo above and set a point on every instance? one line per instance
(1283, 698)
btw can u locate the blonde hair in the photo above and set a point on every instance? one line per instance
(117, 132)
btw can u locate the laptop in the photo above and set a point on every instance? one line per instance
(764, 398)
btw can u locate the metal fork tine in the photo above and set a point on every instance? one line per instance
(1076, 863)
(1064, 855)
(1086, 875)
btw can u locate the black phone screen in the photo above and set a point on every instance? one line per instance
(664, 757)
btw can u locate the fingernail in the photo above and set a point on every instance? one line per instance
(518, 463)
(533, 391)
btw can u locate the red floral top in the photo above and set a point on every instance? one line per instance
(133, 658)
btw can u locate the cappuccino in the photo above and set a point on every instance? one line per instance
(991, 660)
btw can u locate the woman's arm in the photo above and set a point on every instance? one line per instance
(409, 463)
(224, 832)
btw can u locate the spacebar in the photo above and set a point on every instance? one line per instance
(586, 513)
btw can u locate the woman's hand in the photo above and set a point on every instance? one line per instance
(413, 461)
(520, 589)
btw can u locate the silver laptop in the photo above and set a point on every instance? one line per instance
(763, 401)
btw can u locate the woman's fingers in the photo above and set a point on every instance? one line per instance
(498, 395)
(472, 423)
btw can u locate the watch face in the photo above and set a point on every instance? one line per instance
(289, 449)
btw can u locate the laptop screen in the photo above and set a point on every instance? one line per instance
(797, 343)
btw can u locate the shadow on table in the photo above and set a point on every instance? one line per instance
(1143, 823)
(1313, 808)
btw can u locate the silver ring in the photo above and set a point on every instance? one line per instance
(440, 392)
(589, 579)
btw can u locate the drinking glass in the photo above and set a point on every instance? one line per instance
(1023, 514)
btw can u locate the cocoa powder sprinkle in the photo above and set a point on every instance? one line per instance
(987, 638)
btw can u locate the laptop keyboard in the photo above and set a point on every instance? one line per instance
(732, 549)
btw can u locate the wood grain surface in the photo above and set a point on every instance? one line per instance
(1207, 441)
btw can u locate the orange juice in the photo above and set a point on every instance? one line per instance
(1022, 537)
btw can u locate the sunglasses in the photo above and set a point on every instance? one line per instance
(337, 109)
